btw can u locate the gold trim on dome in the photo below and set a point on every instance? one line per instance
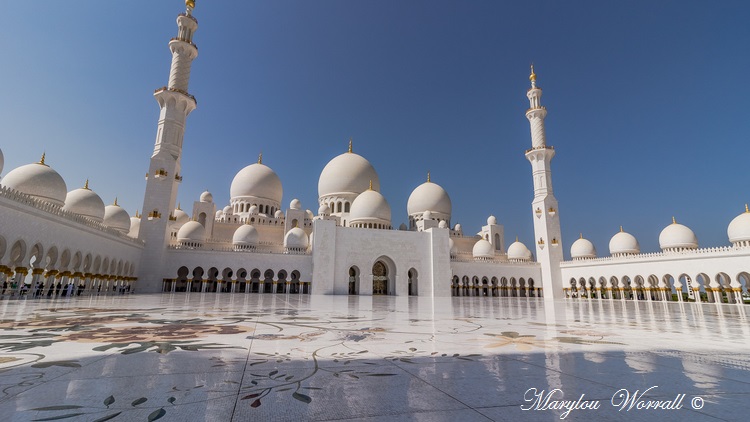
(41, 161)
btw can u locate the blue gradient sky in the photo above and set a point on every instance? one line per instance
(646, 100)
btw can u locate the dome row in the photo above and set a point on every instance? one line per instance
(346, 175)
(674, 237)
(245, 236)
(40, 181)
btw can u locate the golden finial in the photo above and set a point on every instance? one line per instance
(260, 158)
(516, 238)
(673, 220)
(350, 145)
(190, 4)
(532, 77)
(116, 201)
(620, 229)
(178, 206)
(44, 155)
(428, 176)
(136, 214)
(582, 234)
(370, 184)
(746, 210)
(86, 185)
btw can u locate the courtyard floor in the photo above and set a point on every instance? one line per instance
(241, 357)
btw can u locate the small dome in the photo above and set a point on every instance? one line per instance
(457, 228)
(739, 228)
(38, 180)
(135, 227)
(442, 224)
(219, 214)
(116, 217)
(517, 251)
(624, 243)
(228, 210)
(491, 220)
(296, 238)
(309, 215)
(324, 210)
(206, 197)
(278, 214)
(347, 173)
(427, 215)
(86, 203)
(582, 248)
(295, 204)
(429, 197)
(257, 181)
(192, 231)
(245, 235)
(370, 205)
(253, 210)
(452, 246)
(180, 216)
(483, 249)
(402, 227)
(677, 236)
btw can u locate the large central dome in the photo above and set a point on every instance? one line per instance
(347, 173)
(257, 180)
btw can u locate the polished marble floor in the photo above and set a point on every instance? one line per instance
(237, 357)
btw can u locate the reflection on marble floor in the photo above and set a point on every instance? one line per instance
(224, 357)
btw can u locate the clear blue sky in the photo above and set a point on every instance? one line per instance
(646, 100)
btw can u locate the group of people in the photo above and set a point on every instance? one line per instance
(58, 290)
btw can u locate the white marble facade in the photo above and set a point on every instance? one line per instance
(51, 237)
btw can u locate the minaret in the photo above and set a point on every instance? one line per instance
(544, 207)
(163, 175)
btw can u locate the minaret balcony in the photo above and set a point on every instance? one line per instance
(540, 148)
(167, 89)
(185, 41)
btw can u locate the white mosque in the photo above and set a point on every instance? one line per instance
(54, 241)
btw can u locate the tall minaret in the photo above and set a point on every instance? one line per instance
(163, 175)
(544, 207)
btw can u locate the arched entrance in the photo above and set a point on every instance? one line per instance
(413, 283)
(379, 278)
(353, 280)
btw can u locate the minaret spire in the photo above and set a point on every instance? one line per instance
(163, 177)
(547, 222)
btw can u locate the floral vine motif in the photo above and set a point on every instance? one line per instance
(107, 402)
(153, 333)
(526, 343)
(523, 343)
